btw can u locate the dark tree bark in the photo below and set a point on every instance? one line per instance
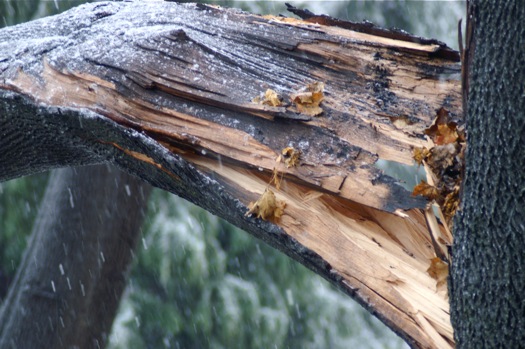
(68, 287)
(166, 91)
(488, 270)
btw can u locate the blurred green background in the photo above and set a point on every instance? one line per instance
(197, 281)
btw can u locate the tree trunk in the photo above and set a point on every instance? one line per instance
(68, 287)
(488, 270)
(172, 93)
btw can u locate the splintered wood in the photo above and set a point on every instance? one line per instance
(289, 117)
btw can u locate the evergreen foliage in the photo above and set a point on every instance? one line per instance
(19, 201)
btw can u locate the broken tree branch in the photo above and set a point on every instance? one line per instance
(166, 91)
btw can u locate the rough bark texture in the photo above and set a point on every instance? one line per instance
(488, 269)
(68, 287)
(169, 98)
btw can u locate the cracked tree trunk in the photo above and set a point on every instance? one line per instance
(166, 92)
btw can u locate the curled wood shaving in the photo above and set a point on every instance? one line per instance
(291, 156)
(426, 190)
(270, 98)
(268, 207)
(444, 163)
(438, 270)
(307, 100)
(420, 154)
(276, 179)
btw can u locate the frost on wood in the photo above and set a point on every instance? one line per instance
(175, 87)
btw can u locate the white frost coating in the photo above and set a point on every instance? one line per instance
(289, 297)
(71, 202)
(89, 114)
(111, 32)
(82, 290)
(303, 144)
(20, 55)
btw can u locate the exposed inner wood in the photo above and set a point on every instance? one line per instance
(191, 90)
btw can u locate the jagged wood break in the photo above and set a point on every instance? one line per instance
(166, 91)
